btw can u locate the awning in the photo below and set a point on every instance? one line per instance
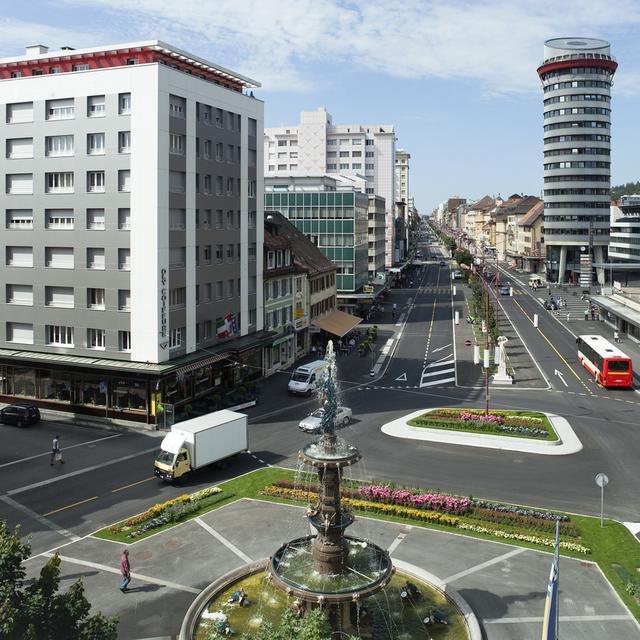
(338, 323)
(201, 363)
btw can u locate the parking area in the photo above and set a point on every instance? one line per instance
(503, 584)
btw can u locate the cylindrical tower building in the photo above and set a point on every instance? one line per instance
(576, 77)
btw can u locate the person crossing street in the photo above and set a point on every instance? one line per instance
(56, 452)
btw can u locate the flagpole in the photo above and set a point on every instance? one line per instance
(557, 552)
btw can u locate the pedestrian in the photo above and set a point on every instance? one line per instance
(125, 571)
(56, 451)
(314, 349)
(549, 289)
(593, 313)
(616, 336)
(586, 314)
(568, 316)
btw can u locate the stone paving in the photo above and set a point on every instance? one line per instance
(503, 584)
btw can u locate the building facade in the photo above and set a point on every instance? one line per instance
(376, 239)
(335, 221)
(402, 176)
(133, 228)
(625, 230)
(316, 146)
(576, 77)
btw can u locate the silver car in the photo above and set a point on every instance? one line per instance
(311, 424)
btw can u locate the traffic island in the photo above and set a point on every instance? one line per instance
(525, 431)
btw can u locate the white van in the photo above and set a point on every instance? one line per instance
(305, 379)
(535, 282)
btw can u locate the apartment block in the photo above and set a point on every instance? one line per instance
(132, 243)
(314, 146)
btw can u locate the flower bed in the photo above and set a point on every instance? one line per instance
(422, 515)
(525, 424)
(164, 513)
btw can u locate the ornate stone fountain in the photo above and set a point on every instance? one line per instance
(331, 569)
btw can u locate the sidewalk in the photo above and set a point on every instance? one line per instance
(526, 374)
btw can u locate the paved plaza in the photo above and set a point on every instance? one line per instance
(504, 585)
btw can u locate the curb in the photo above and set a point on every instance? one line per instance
(567, 443)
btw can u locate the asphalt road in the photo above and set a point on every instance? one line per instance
(109, 475)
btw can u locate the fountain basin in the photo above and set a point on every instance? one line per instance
(341, 455)
(366, 570)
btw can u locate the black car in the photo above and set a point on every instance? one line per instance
(442, 263)
(20, 414)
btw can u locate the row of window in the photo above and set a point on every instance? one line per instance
(578, 192)
(322, 307)
(64, 145)
(575, 232)
(331, 166)
(80, 66)
(579, 178)
(576, 71)
(580, 124)
(64, 297)
(64, 182)
(64, 258)
(323, 282)
(576, 151)
(579, 97)
(578, 205)
(65, 108)
(278, 259)
(575, 84)
(625, 240)
(577, 110)
(207, 114)
(206, 184)
(275, 289)
(278, 318)
(64, 219)
(62, 336)
(587, 164)
(588, 137)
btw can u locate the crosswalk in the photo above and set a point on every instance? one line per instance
(436, 290)
(442, 371)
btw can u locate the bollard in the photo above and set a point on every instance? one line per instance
(457, 317)
(372, 372)
(454, 291)
(487, 359)
(535, 319)
(476, 354)
(511, 291)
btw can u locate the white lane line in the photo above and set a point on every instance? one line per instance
(48, 453)
(41, 519)
(438, 373)
(400, 319)
(440, 363)
(525, 620)
(484, 565)
(44, 483)
(444, 358)
(134, 575)
(435, 382)
(227, 543)
(396, 543)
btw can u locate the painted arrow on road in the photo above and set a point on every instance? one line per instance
(560, 375)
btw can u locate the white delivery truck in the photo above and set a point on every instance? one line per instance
(305, 379)
(195, 443)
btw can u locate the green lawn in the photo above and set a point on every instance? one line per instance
(613, 547)
(424, 422)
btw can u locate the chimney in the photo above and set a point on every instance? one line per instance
(36, 49)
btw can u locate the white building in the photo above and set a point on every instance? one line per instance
(132, 228)
(624, 244)
(402, 176)
(316, 146)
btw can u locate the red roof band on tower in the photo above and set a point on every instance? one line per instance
(610, 65)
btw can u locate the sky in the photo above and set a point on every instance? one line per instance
(457, 78)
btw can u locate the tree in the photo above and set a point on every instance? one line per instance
(38, 611)
(462, 256)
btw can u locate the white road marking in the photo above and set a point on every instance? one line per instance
(48, 453)
(484, 565)
(444, 358)
(402, 378)
(41, 519)
(437, 373)
(134, 576)
(440, 363)
(435, 382)
(44, 483)
(532, 619)
(441, 348)
(227, 543)
(396, 543)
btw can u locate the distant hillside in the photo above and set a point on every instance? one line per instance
(625, 190)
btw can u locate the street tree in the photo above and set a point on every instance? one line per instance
(35, 610)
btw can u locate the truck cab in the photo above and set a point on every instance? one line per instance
(173, 460)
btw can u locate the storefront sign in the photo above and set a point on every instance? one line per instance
(301, 323)
(367, 288)
(163, 303)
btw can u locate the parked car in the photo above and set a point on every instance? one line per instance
(504, 291)
(311, 424)
(20, 415)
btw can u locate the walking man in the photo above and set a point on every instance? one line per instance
(586, 314)
(616, 336)
(568, 316)
(56, 452)
(125, 571)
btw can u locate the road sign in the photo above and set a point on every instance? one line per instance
(602, 480)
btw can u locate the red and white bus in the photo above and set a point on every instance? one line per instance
(603, 360)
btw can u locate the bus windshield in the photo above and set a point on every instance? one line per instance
(618, 365)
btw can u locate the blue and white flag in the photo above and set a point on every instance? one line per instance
(550, 622)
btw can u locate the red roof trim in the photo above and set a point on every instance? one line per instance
(610, 65)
